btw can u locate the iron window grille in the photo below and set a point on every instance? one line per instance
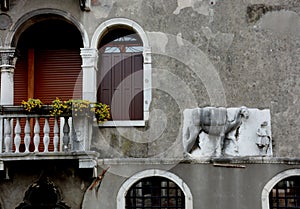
(155, 192)
(286, 194)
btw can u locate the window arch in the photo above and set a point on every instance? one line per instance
(282, 191)
(154, 188)
(137, 42)
(120, 75)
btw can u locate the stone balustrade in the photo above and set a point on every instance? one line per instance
(39, 132)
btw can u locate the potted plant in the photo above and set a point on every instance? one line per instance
(32, 105)
(80, 108)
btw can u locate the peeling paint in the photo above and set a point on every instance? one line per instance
(102, 9)
(218, 39)
(281, 23)
(202, 7)
(158, 41)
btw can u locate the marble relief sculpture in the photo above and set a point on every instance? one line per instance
(219, 131)
(212, 121)
(263, 138)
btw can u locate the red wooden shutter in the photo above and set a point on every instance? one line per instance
(20, 80)
(121, 77)
(57, 74)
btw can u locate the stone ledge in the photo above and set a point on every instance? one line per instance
(212, 160)
(48, 156)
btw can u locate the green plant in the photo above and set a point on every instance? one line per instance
(60, 107)
(102, 112)
(31, 104)
(79, 107)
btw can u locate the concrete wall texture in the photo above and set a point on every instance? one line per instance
(204, 53)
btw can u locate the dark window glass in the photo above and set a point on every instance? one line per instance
(155, 192)
(286, 194)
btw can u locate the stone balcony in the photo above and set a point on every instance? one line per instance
(40, 136)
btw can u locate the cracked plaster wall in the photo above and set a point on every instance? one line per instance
(213, 53)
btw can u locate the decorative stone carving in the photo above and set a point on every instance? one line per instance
(222, 131)
(263, 138)
(8, 58)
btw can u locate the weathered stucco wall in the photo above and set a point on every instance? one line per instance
(211, 186)
(204, 53)
(70, 182)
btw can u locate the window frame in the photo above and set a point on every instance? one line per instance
(154, 173)
(271, 184)
(147, 67)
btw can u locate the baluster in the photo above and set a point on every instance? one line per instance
(27, 135)
(66, 136)
(36, 138)
(46, 138)
(56, 137)
(7, 134)
(17, 139)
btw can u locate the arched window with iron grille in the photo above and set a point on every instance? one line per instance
(155, 192)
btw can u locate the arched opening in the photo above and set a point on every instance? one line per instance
(282, 191)
(154, 189)
(115, 26)
(49, 62)
(43, 194)
(286, 193)
(155, 192)
(120, 75)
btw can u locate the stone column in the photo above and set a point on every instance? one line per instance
(8, 61)
(89, 68)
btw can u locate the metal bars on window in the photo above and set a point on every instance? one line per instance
(286, 194)
(155, 192)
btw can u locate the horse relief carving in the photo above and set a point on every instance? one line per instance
(213, 121)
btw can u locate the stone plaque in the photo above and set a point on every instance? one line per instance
(5, 21)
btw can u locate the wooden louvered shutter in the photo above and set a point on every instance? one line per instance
(20, 80)
(57, 74)
(121, 84)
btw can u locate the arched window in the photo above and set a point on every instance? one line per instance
(286, 193)
(282, 191)
(155, 192)
(154, 189)
(120, 74)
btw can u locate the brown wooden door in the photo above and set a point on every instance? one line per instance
(120, 81)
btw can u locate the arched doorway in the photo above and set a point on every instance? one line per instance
(49, 62)
(43, 194)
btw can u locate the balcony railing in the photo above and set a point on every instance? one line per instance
(35, 132)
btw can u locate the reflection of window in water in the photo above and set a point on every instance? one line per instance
(286, 194)
(155, 192)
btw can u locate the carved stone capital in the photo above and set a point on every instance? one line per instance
(8, 59)
(89, 57)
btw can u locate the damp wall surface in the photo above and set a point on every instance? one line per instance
(204, 53)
